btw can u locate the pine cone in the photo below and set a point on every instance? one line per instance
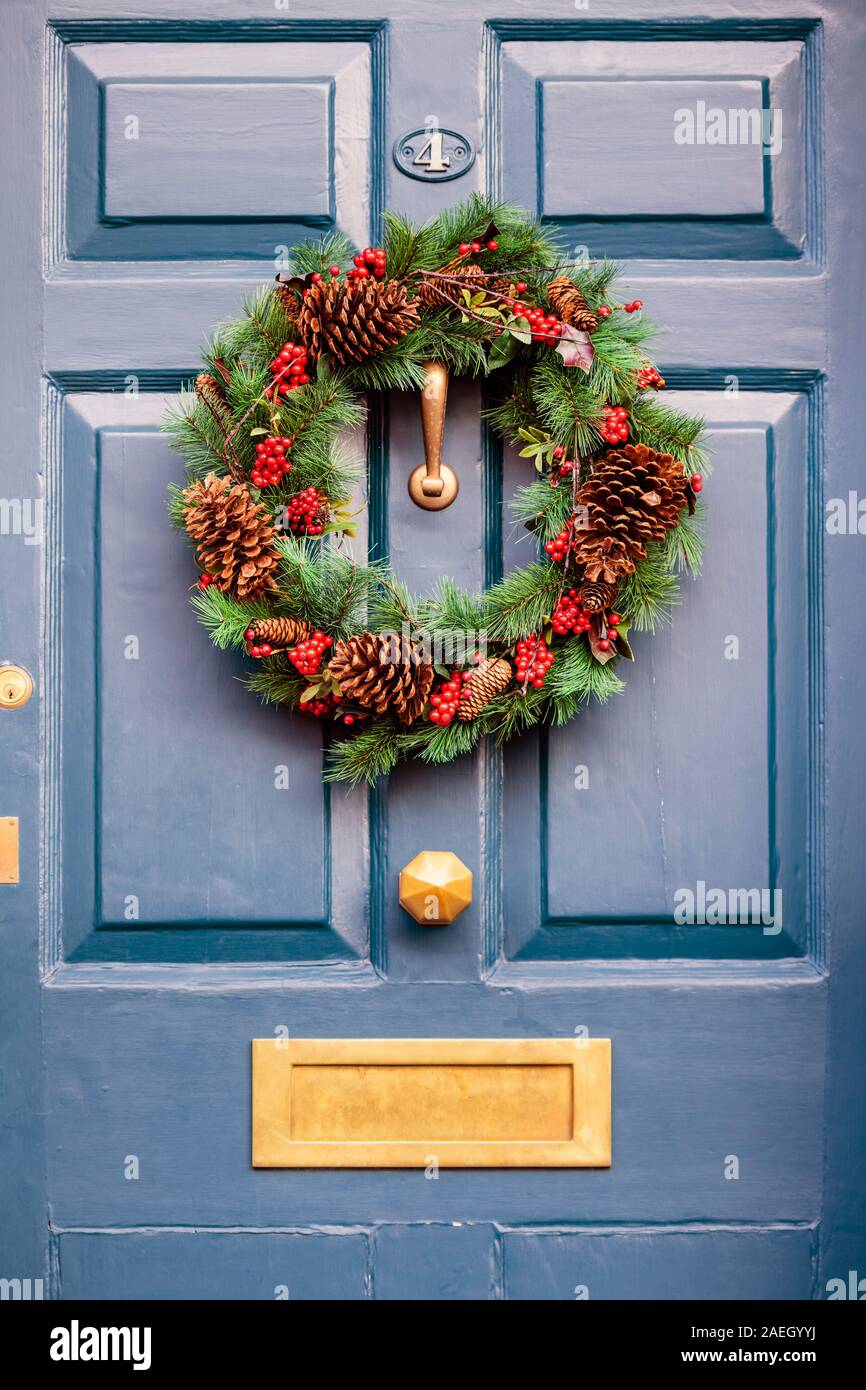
(596, 596)
(288, 299)
(281, 633)
(632, 497)
(351, 322)
(211, 392)
(441, 294)
(383, 673)
(481, 685)
(567, 301)
(234, 536)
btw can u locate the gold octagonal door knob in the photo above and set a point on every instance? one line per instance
(435, 887)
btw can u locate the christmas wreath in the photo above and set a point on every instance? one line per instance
(612, 506)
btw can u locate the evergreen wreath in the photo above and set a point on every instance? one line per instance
(613, 508)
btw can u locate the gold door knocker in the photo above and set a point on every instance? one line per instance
(433, 485)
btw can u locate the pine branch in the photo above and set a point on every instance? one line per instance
(647, 596)
(543, 509)
(568, 405)
(225, 617)
(669, 431)
(520, 602)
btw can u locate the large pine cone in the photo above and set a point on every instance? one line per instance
(351, 322)
(481, 685)
(442, 294)
(567, 301)
(234, 536)
(383, 672)
(632, 497)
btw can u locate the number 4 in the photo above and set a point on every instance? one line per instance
(431, 155)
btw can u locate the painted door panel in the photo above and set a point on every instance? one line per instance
(179, 901)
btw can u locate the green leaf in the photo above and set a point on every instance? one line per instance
(502, 349)
(519, 329)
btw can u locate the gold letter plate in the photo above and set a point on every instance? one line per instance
(407, 1102)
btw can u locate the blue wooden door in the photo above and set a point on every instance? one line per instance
(176, 899)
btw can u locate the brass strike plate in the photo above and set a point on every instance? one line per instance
(8, 849)
(16, 686)
(412, 1102)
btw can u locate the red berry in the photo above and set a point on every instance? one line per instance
(520, 286)
(333, 270)
(603, 311)
(604, 645)
(493, 246)
(615, 619)
(464, 248)
(315, 277)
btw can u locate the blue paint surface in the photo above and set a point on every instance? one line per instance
(151, 779)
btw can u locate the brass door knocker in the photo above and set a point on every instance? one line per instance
(433, 485)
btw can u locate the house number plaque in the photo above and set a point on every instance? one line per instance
(433, 154)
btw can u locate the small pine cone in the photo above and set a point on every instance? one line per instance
(504, 284)
(595, 596)
(381, 672)
(567, 301)
(281, 633)
(632, 497)
(481, 685)
(288, 299)
(353, 321)
(211, 392)
(441, 294)
(234, 536)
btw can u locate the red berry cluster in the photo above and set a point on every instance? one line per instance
(272, 462)
(371, 261)
(614, 427)
(648, 379)
(289, 369)
(569, 616)
(307, 655)
(610, 635)
(320, 708)
(558, 547)
(445, 699)
(254, 648)
(534, 660)
(563, 466)
(603, 311)
(471, 248)
(307, 512)
(697, 482)
(205, 580)
(542, 325)
(634, 306)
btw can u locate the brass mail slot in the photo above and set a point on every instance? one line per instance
(9, 849)
(409, 1102)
